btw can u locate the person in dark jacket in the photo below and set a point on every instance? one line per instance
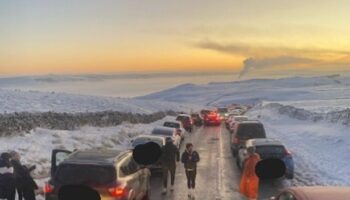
(170, 154)
(25, 184)
(7, 179)
(190, 158)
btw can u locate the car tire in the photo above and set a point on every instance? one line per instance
(234, 152)
(237, 163)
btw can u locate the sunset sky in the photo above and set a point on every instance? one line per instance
(102, 36)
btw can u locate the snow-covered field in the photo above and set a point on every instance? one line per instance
(321, 149)
(308, 124)
(320, 106)
(323, 88)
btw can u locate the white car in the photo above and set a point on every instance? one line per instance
(168, 132)
(142, 139)
(177, 125)
(234, 119)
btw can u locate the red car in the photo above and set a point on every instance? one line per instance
(212, 118)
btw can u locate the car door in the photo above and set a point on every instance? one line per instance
(129, 174)
(58, 156)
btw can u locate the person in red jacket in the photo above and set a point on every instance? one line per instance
(190, 158)
(249, 185)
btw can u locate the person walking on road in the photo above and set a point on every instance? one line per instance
(249, 185)
(177, 138)
(25, 184)
(190, 158)
(170, 154)
(7, 178)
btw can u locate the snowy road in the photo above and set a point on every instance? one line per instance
(217, 177)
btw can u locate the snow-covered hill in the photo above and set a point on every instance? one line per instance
(256, 90)
(34, 101)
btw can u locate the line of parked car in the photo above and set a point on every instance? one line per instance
(114, 174)
(247, 133)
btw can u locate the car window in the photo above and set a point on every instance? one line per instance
(182, 118)
(171, 124)
(287, 196)
(143, 140)
(248, 131)
(78, 174)
(128, 167)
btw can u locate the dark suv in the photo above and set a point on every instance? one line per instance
(244, 131)
(114, 175)
(186, 121)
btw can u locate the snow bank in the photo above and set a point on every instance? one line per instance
(320, 148)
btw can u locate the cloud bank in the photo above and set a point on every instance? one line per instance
(259, 57)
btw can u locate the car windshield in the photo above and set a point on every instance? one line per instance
(222, 110)
(248, 131)
(143, 140)
(270, 149)
(172, 125)
(166, 132)
(240, 118)
(85, 174)
(182, 118)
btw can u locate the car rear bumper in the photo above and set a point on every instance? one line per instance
(55, 197)
(212, 122)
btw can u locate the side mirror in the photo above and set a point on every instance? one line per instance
(131, 141)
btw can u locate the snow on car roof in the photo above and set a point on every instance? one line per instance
(163, 131)
(150, 136)
(242, 116)
(250, 122)
(184, 115)
(172, 121)
(263, 142)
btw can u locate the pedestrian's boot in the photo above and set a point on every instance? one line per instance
(164, 191)
(172, 188)
(189, 193)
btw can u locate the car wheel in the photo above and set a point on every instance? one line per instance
(238, 162)
(234, 152)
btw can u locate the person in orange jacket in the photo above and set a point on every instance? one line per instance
(249, 185)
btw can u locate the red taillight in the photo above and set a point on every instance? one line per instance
(117, 191)
(48, 188)
(235, 141)
(288, 153)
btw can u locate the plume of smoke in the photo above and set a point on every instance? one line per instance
(250, 64)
